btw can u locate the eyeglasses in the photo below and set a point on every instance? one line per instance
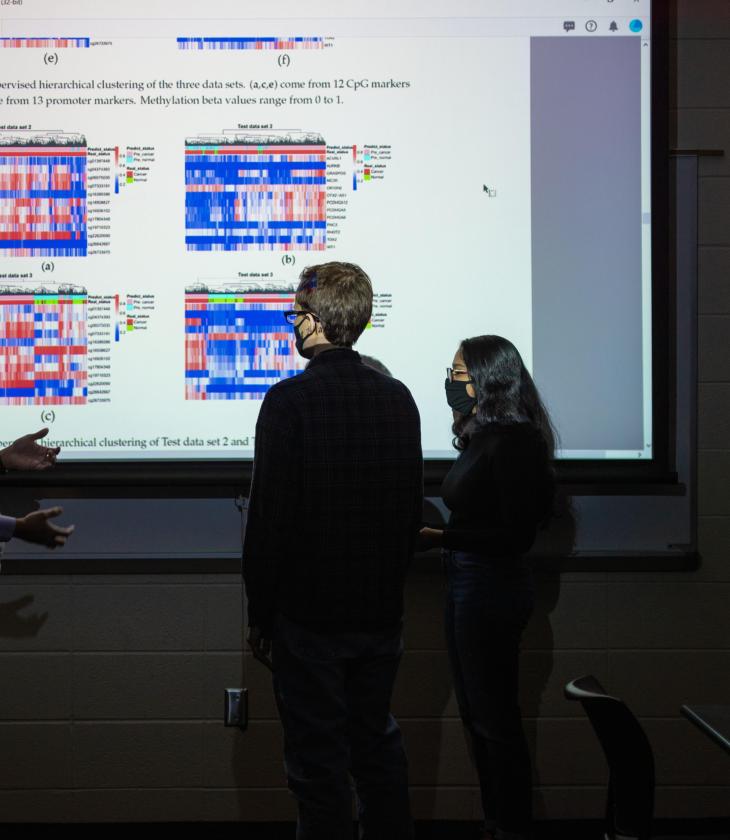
(291, 315)
(450, 373)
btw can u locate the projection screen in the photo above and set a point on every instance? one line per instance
(165, 176)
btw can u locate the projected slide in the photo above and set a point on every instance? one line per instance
(166, 175)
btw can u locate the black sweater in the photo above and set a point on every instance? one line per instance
(498, 491)
(336, 498)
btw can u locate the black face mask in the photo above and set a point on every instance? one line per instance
(300, 339)
(457, 397)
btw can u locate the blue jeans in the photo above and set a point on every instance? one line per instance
(489, 602)
(333, 692)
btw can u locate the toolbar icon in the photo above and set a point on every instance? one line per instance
(591, 26)
(614, 26)
(568, 25)
(636, 25)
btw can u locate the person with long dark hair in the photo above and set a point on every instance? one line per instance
(499, 491)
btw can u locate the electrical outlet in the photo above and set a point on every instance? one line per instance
(235, 711)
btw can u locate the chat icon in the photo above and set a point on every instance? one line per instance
(568, 25)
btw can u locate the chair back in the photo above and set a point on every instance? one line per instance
(630, 804)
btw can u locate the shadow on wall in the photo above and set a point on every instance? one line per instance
(256, 769)
(15, 626)
(557, 541)
(424, 689)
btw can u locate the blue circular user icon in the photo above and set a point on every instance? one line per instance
(636, 25)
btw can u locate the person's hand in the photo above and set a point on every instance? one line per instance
(260, 647)
(429, 538)
(26, 454)
(37, 528)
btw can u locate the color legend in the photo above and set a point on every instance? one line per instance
(132, 165)
(132, 313)
(369, 163)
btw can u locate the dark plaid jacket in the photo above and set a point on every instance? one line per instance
(336, 497)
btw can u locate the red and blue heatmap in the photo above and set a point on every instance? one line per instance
(43, 348)
(44, 43)
(243, 195)
(293, 42)
(237, 344)
(42, 198)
